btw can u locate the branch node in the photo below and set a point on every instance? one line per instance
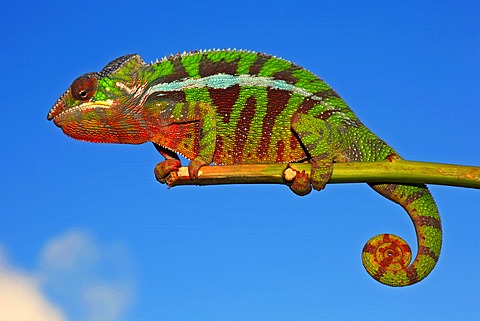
(289, 174)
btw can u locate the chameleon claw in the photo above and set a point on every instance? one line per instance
(392, 157)
(171, 178)
(301, 184)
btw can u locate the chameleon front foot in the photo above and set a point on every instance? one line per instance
(195, 165)
(166, 168)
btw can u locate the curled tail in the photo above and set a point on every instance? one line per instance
(387, 257)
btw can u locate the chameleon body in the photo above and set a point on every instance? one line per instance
(242, 107)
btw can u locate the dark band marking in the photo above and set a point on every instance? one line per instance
(179, 72)
(325, 115)
(415, 196)
(208, 67)
(277, 100)
(307, 104)
(243, 128)
(412, 274)
(294, 144)
(258, 64)
(223, 100)
(326, 94)
(427, 221)
(280, 150)
(286, 75)
(423, 250)
(219, 152)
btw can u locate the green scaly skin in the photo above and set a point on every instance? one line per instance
(241, 107)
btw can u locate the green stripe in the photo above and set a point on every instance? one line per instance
(247, 59)
(309, 81)
(227, 56)
(274, 65)
(191, 63)
(165, 68)
(433, 238)
(255, 131)
(245, 93)
(198, 94)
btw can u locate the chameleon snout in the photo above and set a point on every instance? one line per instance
(57, 109)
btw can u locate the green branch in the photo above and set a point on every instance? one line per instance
(396, 171)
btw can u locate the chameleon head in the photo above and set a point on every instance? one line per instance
(97, 106)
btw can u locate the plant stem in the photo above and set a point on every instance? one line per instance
(396, 171)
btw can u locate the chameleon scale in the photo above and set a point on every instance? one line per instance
(243, 107)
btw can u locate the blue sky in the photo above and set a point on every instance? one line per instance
(86, 233)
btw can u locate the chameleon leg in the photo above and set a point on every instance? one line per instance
(170, 164)
(316, 136)
(207, 138)
(177, 130)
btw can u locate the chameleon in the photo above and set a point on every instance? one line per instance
(243, 107)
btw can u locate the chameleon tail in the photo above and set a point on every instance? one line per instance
(387, 257)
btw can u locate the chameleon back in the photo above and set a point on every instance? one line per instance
(254, 96)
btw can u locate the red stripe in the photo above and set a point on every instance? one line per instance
(280, 151)
(243, 127)
(223, 100)
(277, 100)
(219, 157)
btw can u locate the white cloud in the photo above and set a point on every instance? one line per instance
(70, 251)
(93, 281)
(21, 297)
(90, 281)
(106, 302)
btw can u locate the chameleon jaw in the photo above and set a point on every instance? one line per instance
(60, 110)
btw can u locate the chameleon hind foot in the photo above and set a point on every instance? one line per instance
(195, 165)
(301, 183)
(321, 172)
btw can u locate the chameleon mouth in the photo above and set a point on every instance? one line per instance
(60, 110)
(57, 108)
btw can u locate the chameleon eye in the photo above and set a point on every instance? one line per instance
(84, 87)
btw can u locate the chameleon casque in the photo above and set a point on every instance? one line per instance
(242, 107)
